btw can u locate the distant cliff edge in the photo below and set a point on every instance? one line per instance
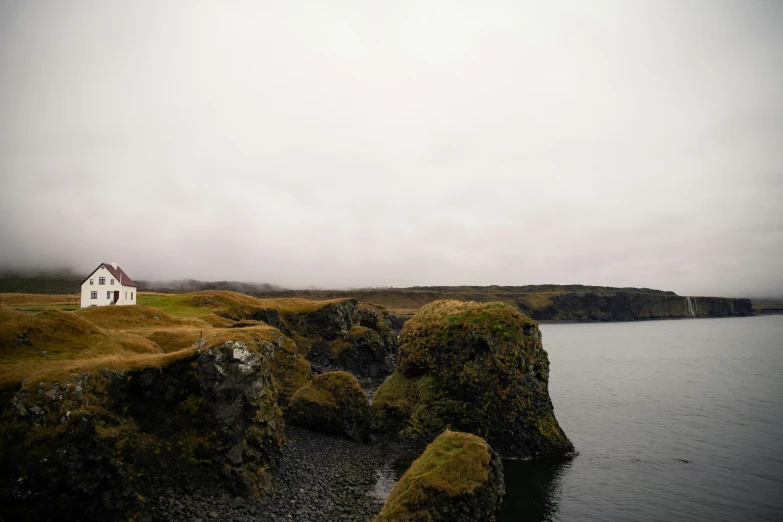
(628, 306)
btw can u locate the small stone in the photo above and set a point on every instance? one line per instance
(237, 502)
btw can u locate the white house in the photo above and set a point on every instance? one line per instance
(108, 285)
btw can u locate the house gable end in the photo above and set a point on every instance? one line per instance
(119, 275)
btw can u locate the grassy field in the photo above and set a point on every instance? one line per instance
(39, 302)
(52, 343)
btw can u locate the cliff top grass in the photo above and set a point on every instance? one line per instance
(466, 315)
(454, 463)
(228, 304)
(440, 324)
(14, 300)
(53, 344)
(139, 316)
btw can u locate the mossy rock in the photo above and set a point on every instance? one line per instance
(333, 403)
(458, 478)
(479, 368)
(79, 444)
(365, 352)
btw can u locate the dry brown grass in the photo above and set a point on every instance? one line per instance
(34, 344)
(125, 317)
(54, 343)
(174, 339)
(37, 299)
(226, 304)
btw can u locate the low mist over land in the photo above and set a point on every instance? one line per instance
(352, 144)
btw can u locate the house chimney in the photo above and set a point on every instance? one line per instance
(114, 264)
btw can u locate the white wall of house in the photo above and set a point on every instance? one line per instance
(110, 284)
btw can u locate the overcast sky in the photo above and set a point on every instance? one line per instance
(355, 143)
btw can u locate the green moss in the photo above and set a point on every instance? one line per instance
(339, 346)
(453, 464)
(310, 393)
(396, 392)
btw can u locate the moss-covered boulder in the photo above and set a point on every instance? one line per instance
(478, 368)
(458, 478)
(333, 403)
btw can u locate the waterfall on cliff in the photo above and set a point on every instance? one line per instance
(690, 307)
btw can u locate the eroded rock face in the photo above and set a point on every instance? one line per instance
(240, 404)
(633, 306)
(53, 461)
(458, 478)
(81, 448)
(359, 339)
(479, 368)
(333, 403)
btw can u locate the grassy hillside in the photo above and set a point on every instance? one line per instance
(163, 328)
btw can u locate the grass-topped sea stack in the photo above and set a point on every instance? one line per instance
(478, 368)
(458, 478)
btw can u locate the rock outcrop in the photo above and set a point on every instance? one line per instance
(478, 368)
(240, 406)
(333, 403)
(336, 334)
(347, 336)
(83, 448)
(458, 478)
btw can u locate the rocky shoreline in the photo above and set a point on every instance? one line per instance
(319, 477)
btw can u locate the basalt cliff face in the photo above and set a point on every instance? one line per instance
(628, 306)
(85, 448)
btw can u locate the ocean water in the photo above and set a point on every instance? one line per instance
(674, 420)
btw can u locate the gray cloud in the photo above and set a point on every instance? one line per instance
(410, 143)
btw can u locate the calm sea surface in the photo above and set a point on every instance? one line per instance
(674, 420)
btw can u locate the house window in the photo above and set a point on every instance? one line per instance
(101, 280)
(92, 281)
(126, 295)
(111, 282)
(131, 295)
(94, 295)
(108, 294)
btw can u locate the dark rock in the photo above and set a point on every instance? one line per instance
(629, 306)
(356, 338)
(240, 398)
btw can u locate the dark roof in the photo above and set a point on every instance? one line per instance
(118, 274)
